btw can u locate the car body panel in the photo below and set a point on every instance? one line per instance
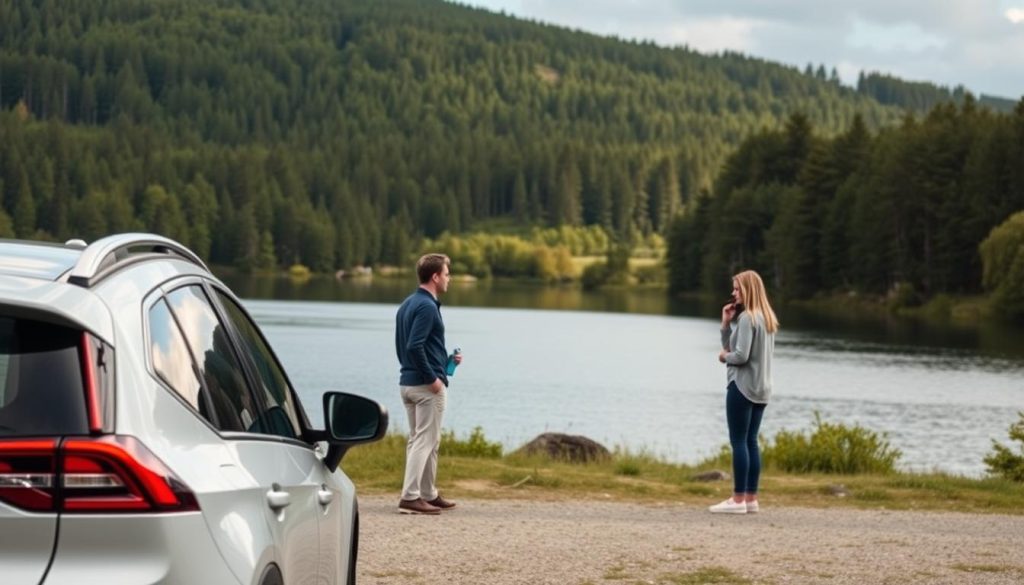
(69, 304)
(26, 544)
(37, 260)
(282, 467)
(336, 525)
(170, 549)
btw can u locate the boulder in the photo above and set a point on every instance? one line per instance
(713, 475)
(838, 490)
(571, 448)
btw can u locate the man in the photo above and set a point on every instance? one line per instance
(419, 342)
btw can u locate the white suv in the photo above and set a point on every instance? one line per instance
(148, 434)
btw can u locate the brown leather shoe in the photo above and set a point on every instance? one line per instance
(441, 503)
(417, 506)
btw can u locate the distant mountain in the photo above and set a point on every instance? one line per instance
(335, 132)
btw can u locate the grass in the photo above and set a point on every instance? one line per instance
(705, 576)
(378, 468)
(989, 568)
(637, 575)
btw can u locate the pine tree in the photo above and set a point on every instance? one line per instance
(24, 209)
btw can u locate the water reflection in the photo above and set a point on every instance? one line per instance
(983, 343)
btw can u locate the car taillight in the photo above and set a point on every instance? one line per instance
(118, 474)
(107, 474)
(27, 473)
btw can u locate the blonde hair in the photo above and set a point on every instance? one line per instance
(755, 299)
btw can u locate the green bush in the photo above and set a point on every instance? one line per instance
(720, 460)
(485, 255)
(832, 448)
(509, 255)
(1003, 462)
(475, 446)
(901, 295)
(1002, 260)
(553, 264)
(594, 275)
(581, 241)
(628, 467)
(652, 274)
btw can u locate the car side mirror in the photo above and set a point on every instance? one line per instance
(351, 420)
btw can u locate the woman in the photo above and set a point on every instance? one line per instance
(748, 342)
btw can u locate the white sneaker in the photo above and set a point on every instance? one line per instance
(752, 507)
(729, 506)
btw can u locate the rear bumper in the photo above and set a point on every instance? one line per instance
(168, 549)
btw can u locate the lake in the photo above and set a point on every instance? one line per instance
(634, 369)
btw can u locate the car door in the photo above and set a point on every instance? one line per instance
(279, 466)
(298, 466)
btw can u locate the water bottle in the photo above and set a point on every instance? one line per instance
(450, 367)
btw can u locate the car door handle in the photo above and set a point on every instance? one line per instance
(324, 496)
(278, 499)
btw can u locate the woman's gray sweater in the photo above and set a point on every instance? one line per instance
(749, 361)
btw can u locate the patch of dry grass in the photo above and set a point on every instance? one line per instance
(378, 468)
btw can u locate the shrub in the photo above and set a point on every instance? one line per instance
(595, 275)
(1003, 461)
(902, 294)
(651, 274)
(581, 241)
(509, 256)
(832, 448)
(1002, 259)
(299, 272)
(475, 446)
(628, 467)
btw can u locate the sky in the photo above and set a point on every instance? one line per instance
(975, 43)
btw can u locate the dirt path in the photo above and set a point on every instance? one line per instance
(501, 542)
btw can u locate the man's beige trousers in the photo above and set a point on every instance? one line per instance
(426, 411)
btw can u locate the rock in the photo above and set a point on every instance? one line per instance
(713, 475)
(838, 490)
(572, 448)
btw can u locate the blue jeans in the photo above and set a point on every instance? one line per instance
(744, 418)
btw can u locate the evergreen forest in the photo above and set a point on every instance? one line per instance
(335, 133)
(914, 211)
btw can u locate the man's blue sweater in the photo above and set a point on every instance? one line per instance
(419, 340)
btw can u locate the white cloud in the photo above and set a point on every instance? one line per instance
(976, 43)
(892, 37)
(715, 34)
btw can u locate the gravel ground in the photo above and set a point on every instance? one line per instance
(503, 542)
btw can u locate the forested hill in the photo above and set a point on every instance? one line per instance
(919, 96)
(337, 132)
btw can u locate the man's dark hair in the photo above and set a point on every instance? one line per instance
(431, 264)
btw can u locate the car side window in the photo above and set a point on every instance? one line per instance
(281, 417)
(172, 360)
(219, 366)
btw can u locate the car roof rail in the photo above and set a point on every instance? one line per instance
(109, 254)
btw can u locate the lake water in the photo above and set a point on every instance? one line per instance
(634, 369)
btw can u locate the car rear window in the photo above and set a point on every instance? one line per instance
(41, 389)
